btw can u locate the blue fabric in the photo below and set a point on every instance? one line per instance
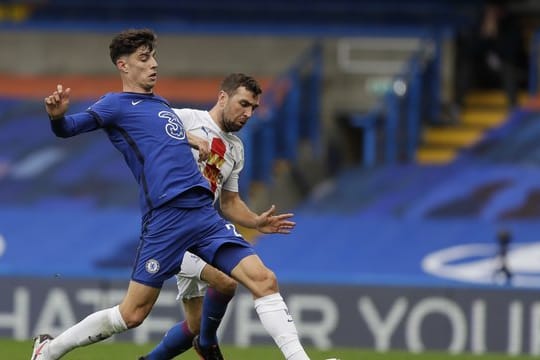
(177, 340)
(151, 138)
(214, 307)
(169, 231)
(74, 207)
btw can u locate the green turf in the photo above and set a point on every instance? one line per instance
(20, 350)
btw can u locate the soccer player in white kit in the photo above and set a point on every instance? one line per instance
(221, 159)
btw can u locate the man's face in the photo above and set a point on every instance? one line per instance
(239, 107)
(141, 69)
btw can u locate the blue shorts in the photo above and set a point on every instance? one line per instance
(169, 231)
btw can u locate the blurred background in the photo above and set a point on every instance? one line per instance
(402, 134)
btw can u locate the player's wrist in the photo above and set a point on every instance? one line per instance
(56, 117)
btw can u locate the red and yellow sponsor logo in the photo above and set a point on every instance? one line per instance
(212, 169)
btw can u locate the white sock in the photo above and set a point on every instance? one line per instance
(95, 327)
(275, 318)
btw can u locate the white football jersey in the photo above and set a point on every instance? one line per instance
(226, 160)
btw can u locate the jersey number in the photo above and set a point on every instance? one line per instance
(230, 226)
(174, 127)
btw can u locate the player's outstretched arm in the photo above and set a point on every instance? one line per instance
(57, 103)
(235, 210)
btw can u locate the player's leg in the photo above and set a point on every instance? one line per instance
(230, 253)
(191, 290)
(220, 292)
(102, 324)
(138, 303)
(192, 313)
(179, 337)
(272, 310)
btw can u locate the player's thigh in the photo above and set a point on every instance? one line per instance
(188, 279)
(191, 266)
(190, 287)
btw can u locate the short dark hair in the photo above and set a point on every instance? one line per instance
(233, 81)
(128, 41)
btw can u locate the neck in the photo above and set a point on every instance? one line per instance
(130, 86)
(215, 114)
(137, 90)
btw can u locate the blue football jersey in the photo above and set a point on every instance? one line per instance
(151, 138)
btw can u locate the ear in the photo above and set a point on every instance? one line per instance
(222, 98)
(121, 64)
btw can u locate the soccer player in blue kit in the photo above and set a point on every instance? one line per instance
(176, 204)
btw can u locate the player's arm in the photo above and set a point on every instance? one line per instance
(199, 144)
(235, 210)
(57, 105)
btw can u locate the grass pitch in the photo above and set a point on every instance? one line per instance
(20, 350)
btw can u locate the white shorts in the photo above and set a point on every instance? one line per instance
(188, 279)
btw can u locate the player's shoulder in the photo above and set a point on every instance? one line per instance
(110, 96)
(107, 99)
(192, 117)
(189, 112)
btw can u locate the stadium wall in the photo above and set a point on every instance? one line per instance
(473, 320)
(347, 85)
(86, 53)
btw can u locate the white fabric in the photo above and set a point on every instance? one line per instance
(222, 170)
(188, 279)
(95, 327)
(223, 167)
(277, 321)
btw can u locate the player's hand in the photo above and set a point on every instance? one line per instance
(201, 145)
(269, 223)
(204, 150)
(57, 104)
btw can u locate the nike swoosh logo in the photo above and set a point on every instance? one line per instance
(38, 351)
(133, 102)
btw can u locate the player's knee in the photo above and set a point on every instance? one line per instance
(134, 318)
(266, 282)
(133, 322)
(271, 282)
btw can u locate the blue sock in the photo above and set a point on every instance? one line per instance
(177, 340)
(214, 307)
